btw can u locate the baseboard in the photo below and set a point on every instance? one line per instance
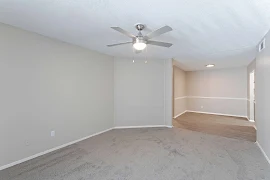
(179, 114)
(227, 98)
(220, 114)
(255, 127)
(266, 157)
(250, 119)
(50, 150)
(73, 142)
(182, 97)
(147, 126)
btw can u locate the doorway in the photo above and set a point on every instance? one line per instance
(252, 96)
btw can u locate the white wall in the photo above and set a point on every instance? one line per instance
(222, 91)
(180, 100)
(168, 78)
(139, 92)
(251, 67)
(263, 97)
(49, 85)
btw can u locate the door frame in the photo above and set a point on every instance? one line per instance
(252, 96)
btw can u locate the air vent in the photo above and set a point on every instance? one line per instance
(262, 45)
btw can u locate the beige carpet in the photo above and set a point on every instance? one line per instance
(226, 126)
(148, 154)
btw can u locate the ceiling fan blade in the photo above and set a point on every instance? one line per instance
(159, 32)
(124, 32)
(158, 43)
(111, 45)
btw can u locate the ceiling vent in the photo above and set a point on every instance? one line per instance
(262, 45)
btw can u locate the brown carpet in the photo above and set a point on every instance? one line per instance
(226, 126)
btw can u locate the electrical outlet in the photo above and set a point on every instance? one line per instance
(52, 133)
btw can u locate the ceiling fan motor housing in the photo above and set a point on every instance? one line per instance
(139, 42)
(139, 39)
(140, 27)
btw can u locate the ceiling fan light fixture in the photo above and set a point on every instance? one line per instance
(209, 65)
(141, 41)
(139, 44)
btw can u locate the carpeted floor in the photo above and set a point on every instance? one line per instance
(148, 154)
(226, 126)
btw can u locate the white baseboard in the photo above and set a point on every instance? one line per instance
(179, 114)
(73, 142)
(250, 119)
(147, 126)
(227, 98)
(217, 114)
(182, 97)
(255, 127)
(50, 150)
(266, 157)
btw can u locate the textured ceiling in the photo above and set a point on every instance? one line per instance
(223, 32)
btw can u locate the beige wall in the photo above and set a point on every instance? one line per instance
(263, 97)
(222, 91)
(251, 67)
(49, 85)
(139, 92)
(179, 77)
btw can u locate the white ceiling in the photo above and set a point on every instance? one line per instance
(223, 32)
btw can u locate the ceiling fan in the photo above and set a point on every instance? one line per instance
(140, 42)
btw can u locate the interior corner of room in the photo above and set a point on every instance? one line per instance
(218, 91)
(54, 94)
(75, 105)
(231, 92)
(224, 92)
